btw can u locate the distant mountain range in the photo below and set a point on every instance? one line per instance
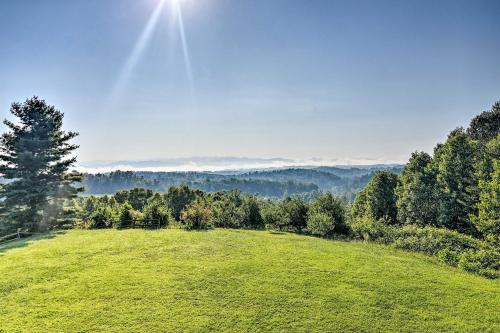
(279, 182)
(275, 177)
(223, 164)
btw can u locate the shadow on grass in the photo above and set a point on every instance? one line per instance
(25, 242)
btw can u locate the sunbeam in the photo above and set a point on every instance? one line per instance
(137, 52)
(185, 50)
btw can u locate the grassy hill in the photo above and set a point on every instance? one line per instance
(233, 281)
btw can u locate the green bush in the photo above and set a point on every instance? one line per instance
(485, 262)
(326, 216)
(156, 212)
(289, 214)
(127, 216)
(197, 216)
(102, 217)
(368, 229)
(451, 247)
(320, 224)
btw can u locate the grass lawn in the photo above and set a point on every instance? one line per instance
(233, 281)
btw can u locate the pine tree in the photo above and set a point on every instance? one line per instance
(35, 155)
(487, 220)
(454, 163)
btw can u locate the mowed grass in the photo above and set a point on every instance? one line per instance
(233, 281)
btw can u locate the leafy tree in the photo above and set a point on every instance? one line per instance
(289, 214)
(454, 163)
(137, 197)
(486, 126)
(179, 197)
(320, 224)
(416, 192)
(295, 209)
(327, 215)
(103, 216)
(127, 216)
(197, 216)
(274, 217)
(228, 210)
(156, 211)
(378, 199)
(487, 220)
(253, 215)
(34, 154)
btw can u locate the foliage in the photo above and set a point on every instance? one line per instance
(289, 214)
(486, 126)
(34, 155)
(137, 197)
(101, 217)
(487, 220)
(485, 262)
(197, 216)
(378, 199)
(228, 210)
(127, 216)
(416, 192)
(156, 212)
(327, 215)
(178, 198)
(320, 224)
(449, 246)
(345, 182)
(253, 216)
(454, 162)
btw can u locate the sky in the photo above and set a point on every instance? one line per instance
(305, 80)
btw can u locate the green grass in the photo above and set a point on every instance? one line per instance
(233, 281)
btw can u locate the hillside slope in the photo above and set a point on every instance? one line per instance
(233, 281)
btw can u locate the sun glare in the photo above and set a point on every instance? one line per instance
(143, 41)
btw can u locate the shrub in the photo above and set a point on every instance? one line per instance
(431, 240)
(197, 216)
(127, 216)
(448, 246)
(485, 262)
(320, 224)
(327, 215)
(102, 217)
(368, 229)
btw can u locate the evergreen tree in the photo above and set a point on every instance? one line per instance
(34, 155)
(416, 192)
(487, 220)
(454, 163)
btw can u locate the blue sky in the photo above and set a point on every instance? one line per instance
(346, 80)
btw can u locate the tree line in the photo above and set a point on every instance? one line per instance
(345, 182)
(446, 205)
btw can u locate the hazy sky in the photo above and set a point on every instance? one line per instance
(262, 78)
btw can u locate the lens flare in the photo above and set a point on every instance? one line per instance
(142, 43)
(185, 50)
(137, 51)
